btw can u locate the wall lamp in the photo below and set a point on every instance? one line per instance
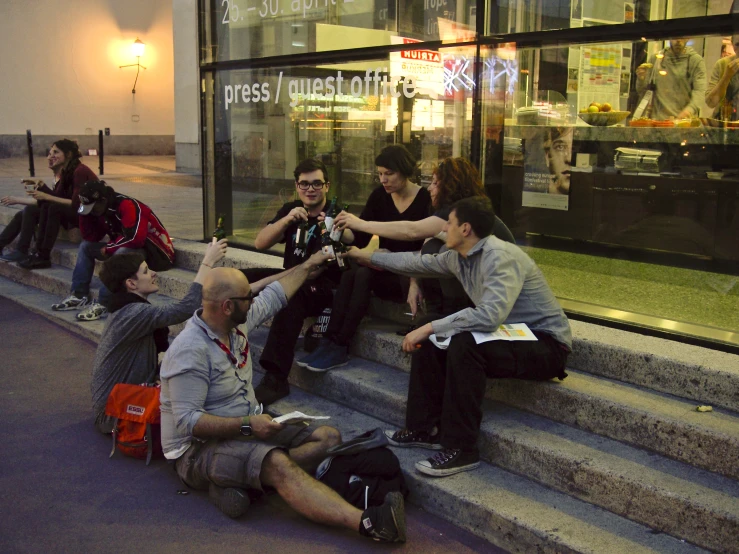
(137, 48)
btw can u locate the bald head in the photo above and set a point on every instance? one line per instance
(222, 283)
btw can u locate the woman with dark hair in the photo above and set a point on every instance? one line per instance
(46, 208)
(396, 200)
(453, 179)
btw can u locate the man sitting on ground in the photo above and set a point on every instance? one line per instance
(130, 226)
(311, 184)
(447, 387)
(212, 425)
(137, 331)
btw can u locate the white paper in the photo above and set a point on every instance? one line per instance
(507, 331)
(297, 417)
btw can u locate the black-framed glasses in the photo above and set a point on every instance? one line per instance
(251, 296)
(315, 185)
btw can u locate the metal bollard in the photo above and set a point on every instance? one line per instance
(100, 153)
(29, 141)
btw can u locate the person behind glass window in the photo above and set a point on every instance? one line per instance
(723, 88)
(396, 200)
(679, 77)
(46, 208)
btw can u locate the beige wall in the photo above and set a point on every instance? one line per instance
(60, 74)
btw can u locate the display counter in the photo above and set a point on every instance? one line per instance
(677, 210)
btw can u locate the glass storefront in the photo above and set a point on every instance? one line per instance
(611, 153)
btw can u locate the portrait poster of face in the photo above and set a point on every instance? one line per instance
(547, 159)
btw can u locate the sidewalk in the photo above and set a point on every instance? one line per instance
(61, 493)
(176, 198)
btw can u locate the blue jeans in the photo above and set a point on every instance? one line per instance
(85, 268)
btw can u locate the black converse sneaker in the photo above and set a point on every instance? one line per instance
(385, 523)
(413, 439)
(448, 462)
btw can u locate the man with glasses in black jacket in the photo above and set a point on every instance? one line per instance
(299, 216)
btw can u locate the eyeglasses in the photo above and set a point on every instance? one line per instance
(251, 296)
(315, 185)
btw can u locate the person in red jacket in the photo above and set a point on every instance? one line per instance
(130, 225)
(46, 209)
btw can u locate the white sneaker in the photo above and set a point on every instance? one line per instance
(71, 302)
(93, 312)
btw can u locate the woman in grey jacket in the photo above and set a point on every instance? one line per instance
(137, 331)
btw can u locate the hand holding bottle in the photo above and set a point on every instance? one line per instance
(215, 252)
(298, 214)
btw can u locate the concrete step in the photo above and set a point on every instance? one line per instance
(503, 508)
(651, 420)
(600, 474)
(673, 497)
(509, 511)
(700, 374)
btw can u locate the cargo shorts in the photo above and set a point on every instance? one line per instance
(234, 462)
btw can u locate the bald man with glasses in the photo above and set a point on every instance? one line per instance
(311, 186)
(213, 426)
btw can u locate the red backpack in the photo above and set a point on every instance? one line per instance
(136, 428)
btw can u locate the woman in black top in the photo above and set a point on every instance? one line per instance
(45, 208)
(452, 180)
(397, 199)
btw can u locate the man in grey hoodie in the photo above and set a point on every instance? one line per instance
(679, 77)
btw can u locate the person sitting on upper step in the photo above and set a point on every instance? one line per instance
(453, 179)
(395, 200)
(213, 428)
(130, 225)
(447, 386)
(137, 332)
(46, 209)
(299, 216)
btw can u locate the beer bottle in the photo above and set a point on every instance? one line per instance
(330, 214)
(300, 235)
(336, 234)
(341, 262)
(220, 232)
(327, 245)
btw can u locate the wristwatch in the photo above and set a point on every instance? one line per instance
(245, 427)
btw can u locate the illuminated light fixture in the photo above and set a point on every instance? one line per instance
(137, 48)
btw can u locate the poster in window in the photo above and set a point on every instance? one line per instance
(547, 160)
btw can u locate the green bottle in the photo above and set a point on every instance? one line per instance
(330, 214)
(336, 234)
(220, 232)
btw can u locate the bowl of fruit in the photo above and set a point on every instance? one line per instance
(601, 115)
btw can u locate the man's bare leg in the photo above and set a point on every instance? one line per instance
(305, 495)
(313, 451)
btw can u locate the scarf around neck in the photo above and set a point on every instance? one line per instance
(122, 299)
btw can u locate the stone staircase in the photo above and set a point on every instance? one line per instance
(613, 459)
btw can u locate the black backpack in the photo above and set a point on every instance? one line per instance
(363, 471)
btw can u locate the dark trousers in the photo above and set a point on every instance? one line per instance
(310, 300)
(352, 299)
(51, 218)
(23, 223)
(447, 387)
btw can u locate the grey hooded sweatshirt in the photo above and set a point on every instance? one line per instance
(683, 85)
